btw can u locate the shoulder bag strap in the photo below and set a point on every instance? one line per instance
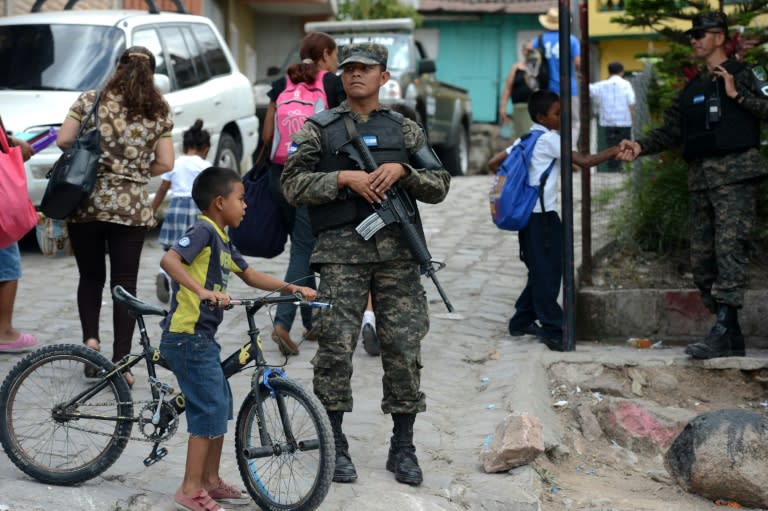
(94, 109)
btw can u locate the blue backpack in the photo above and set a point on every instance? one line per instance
(512, 199)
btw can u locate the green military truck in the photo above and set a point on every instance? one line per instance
(444, 110)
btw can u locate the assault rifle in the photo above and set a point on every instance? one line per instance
(398, 208)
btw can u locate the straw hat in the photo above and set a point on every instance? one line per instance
(550, 20)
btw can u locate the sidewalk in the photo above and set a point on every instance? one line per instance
(482, 279)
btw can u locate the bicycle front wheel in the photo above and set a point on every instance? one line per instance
(284, 445)
(58, 426)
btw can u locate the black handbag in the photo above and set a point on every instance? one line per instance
(262, 233)
(73, 176)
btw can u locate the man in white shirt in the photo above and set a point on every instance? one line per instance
(616, 99)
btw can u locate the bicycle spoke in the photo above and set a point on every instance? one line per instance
(288, 477)
(46, 433)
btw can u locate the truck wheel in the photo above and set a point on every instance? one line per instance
(456, 156)
(228, 155)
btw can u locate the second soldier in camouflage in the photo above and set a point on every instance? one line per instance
(716, 120)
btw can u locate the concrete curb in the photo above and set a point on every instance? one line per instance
(672, 315)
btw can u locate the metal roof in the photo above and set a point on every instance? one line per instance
(486, 6)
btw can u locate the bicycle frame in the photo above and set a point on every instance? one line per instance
(251, 351)
(283, 439)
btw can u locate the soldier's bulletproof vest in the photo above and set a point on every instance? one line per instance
(736, 130)
(383, 134)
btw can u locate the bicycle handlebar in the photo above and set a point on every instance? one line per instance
(296, 299)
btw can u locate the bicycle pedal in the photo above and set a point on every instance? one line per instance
(155, 456)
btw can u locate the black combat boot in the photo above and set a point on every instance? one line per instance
(402, 454)
(345, 470)
(737, 342)
(718, 341)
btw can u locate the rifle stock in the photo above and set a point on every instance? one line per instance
(396, 208)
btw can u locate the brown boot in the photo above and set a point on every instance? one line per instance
(283, 339)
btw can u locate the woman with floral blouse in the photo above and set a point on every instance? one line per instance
(135, 126)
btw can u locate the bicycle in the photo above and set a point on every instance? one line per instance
(60, 427)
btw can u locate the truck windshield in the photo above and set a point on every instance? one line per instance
(398, 47)
(58, 57)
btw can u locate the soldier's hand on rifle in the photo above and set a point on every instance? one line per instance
(358, 182)
(382, 179)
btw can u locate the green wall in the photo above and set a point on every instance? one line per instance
(476, 53)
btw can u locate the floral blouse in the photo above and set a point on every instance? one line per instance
(127, 147)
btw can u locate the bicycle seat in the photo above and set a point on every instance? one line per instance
(135, 305)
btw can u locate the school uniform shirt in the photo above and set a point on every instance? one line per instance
(547, 148)
(182, 175)
(615, 96)
(209, 257)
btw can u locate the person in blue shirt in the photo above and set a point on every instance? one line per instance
(200, 264)
(550, 42)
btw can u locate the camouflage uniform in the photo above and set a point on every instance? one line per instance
(722, 200)
(349, 266)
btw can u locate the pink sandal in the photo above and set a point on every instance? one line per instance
(200, 501)
(24, 342)
(228, 493)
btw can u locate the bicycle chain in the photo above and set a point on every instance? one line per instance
(143, 438)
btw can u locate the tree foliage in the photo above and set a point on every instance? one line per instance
(376, 9)
(659, 15)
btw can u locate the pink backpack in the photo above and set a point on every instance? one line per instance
(297, 103)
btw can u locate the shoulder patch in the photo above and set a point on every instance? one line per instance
(184, 242)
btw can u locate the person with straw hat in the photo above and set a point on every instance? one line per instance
(549, 43)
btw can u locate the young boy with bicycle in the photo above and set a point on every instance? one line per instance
(200, 264)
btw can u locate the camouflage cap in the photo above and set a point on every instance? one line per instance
(365, 53)
(709, 20)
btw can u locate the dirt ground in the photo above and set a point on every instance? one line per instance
(603, 475)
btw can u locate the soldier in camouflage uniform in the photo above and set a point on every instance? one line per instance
(323, 173)
(716, 118)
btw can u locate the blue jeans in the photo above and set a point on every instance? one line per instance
(195, 361)
(298, 272)
(10, 263)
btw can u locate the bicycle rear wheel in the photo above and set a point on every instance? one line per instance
(51, 434)
(291, 454)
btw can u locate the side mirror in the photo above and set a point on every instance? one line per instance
(163, 83)
(273, 70)
(426, 66)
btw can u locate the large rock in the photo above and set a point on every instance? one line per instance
(518, 440)
(641, 426)
(723, 455)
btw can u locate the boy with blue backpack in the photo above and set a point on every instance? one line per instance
(541, 238)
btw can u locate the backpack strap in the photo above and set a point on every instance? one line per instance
(542, 182)
(543, 179)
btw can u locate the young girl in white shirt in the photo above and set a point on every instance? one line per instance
(182, 211)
